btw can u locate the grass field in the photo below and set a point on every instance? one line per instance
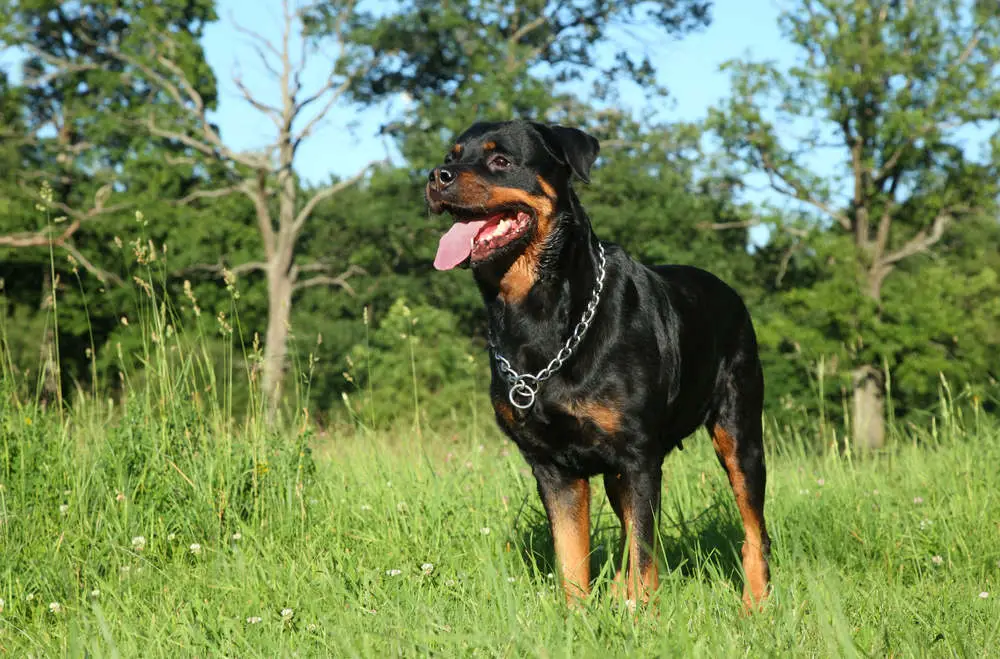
(151, 530)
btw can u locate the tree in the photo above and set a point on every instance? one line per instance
(458, 62)
(72, 138)
(267, 177)
(888, 90)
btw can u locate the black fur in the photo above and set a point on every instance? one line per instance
(671, 349)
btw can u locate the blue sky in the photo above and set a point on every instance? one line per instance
(689, 67)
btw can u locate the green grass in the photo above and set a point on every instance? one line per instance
(339, 536)
(155, 523)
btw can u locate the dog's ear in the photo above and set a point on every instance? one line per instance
(571, 147)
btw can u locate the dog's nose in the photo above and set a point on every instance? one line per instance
(441, 178)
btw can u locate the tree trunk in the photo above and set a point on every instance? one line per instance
(279, 307)
(868, 409)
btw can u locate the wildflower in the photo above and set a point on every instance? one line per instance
(286, 614)
(427, 568)
(937, 560)
(550, 576)
(95, 593)
(401, 506)
(27, 420)
(138, 543)
(66, 493)
(1, 604)
(237, 536)
(253, 620)
(983, 595)
(195, 548)
(821, 482)
(918, 500)
(64, 508)
(125, 569)
(55, 607)
(510, 580)
(394, 573)
(468, 464)
(925, 524)
(120, 496)
(875, 492)
(449, 582)
(125, 321)
(365, 506)
(312, 627)
(485, 530)
(171, 537)
(803, 491)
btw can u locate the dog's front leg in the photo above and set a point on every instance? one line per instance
(635, 498)
(567, 504)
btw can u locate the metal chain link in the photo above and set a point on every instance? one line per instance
(524, 386)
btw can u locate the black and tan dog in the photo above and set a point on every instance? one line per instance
(600, 365)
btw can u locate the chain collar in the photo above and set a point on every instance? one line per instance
(524, 386)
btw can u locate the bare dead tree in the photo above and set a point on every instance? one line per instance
(267, 176)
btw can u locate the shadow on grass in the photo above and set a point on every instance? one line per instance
(705, 546)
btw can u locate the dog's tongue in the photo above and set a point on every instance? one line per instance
(456, 245)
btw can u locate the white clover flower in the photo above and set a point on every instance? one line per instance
(138, 543)
(937, 560)
(253, 620)
(237, 536)
(95, 593)
(171, 537)
(821, 482)
(918, 500)
(983, 595)
(55, 607)
(427, 567)
(195, 548)
(64, 508)
(485, 530)
(394, 573)
(286, 614)
(1, 604)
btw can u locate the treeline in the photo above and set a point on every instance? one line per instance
(871, 267)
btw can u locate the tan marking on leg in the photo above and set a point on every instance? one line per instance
(570, 518)
(755, 565)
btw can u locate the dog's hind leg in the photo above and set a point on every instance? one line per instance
(737, 435)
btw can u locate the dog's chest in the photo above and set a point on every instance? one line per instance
(578, 434)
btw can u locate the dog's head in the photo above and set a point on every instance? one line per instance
(503, 184)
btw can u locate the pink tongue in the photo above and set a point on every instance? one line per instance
(456, 245)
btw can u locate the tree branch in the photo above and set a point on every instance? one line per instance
(212, 194)
(921, 242)
(327, 280)
(797, 190)
(220, 267)
(326, 193)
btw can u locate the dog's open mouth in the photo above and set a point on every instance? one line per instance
(478, 238)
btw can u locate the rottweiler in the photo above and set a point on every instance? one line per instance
(600, 365)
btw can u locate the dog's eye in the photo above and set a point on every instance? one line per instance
(499, 162)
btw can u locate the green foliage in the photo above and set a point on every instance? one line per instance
(416, 366)
(464, 61)
(148, 529)
(881, 106)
